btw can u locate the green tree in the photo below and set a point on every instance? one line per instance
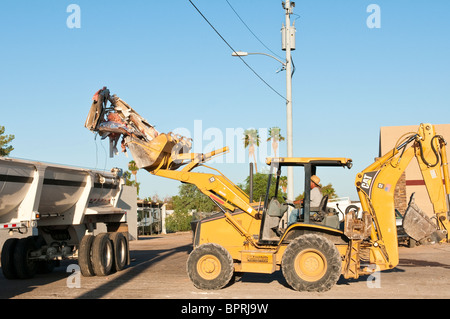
(5, 149)
(325, 190)
(260, 186)
(190, 199)
(178, 221)
(329, 190)
(189, 204)
(129, 182)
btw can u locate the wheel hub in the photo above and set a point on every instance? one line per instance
(310, 265)
(209, 267)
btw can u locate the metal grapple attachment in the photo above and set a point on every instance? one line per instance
(150, 149)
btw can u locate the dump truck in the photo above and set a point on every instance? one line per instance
(56, 210)
(315, 250)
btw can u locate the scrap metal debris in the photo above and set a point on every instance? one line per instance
(150, 149)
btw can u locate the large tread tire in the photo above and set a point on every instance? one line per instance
(210, 267)
(85, 256)
(120, 248)
(25, 267)
(8, 268)
(311, 263)
(102, 255)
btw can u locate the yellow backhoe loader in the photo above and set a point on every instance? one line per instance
(312, 252)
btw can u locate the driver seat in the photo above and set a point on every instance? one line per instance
(275, 211)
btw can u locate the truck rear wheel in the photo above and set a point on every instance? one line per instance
(25, 266)
(311, 263)
(120, 248)
(210, 267)
(85, 256)
(8, 268)
(102, 255)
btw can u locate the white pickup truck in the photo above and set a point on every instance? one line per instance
(59, 207)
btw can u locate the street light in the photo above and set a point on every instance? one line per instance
(286, 66)
(288, 44)
(241, 53)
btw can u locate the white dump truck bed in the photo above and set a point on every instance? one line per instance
(59, 207)
(34, 193)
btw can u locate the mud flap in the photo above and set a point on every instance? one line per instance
(419, 226)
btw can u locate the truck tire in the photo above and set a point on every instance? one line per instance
(85, 256)
(8, 268)
(210, 267)
(311, 263)
(25, 267)
(120, 248)
(102, 255)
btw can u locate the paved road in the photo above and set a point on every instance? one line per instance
(158, 271)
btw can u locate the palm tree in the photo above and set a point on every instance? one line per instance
(251, 139)
(133, 168)
(275, 136)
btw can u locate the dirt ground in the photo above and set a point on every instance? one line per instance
(158, 271)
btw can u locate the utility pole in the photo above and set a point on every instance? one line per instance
(288, 44)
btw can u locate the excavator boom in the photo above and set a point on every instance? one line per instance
(376, 186)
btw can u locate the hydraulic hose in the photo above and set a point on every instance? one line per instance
(436, 153)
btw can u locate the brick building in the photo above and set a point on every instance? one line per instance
(411, 180)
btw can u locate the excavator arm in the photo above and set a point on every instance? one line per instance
(376, 185)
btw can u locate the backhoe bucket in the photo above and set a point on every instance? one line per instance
(418, 225)
(159, 152)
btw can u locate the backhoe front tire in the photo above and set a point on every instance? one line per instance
(210, 267)
(311, 263)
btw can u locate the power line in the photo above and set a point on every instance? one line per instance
(248, 28)
(243, 61)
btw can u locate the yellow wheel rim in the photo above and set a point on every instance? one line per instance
(310, 265)
(208, 267)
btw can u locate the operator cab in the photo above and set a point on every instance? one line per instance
(275, 214)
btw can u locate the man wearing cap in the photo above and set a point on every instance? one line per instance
(316, 194)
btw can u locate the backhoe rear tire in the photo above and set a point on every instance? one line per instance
(311, 263)
(210, 267)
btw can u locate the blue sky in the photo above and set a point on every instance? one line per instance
(165, 61)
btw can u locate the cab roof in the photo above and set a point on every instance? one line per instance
(316, 161)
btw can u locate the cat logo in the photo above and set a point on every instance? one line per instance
(366, 181)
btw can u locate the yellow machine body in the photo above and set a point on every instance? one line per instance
(309, 250)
